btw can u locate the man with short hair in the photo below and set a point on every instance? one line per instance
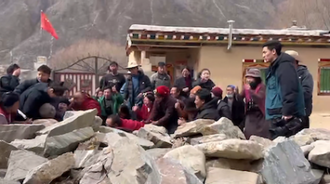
(306, 80)
(10, 81)
(207, 108)
(83, 101)
(284, 95)
(43, 76)
(113, 78)
(161, 78)
(109, 102)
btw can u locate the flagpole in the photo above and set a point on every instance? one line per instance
(40, 23)
(51, 48)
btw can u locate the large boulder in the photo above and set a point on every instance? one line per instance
(156, 134)
(192, 128)
(191, 158)
(11, 132)
(307, 149)
(285, 163)
(233, 149)
(146, 144)
(206, 139)
(157, 153)
(266, 143)
(37, 145)
(60, 144)
(45, 122)
(225, 163)
(80, 119)
(223, 126)
(173, 172)
(320, 154)
(6, 149)
(122, 162)
(87, 153)
(20, 162)
(316, 133)
(227, 176)
(303, 140)
(3, 181)
(47, 172)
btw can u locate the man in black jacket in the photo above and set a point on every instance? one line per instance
(222, 107)
(42, 77)
(207, 108)
(113, 78)
(306, 80)
(10, 81)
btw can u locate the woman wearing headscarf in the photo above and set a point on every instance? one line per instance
(254, 92)
(204, 80)
(185, 82)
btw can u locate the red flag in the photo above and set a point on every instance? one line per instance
(47, 26)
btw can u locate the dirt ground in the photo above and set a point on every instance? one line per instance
(320, 120)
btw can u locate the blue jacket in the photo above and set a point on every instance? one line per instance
(284, 93)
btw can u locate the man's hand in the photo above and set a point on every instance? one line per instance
(114, 89)
(181, 121)
(17, 72)
(154, 122)
(247, 87)
(177, 105)
(287, 117)
(135, 108)
(186, 89)
(140, 95)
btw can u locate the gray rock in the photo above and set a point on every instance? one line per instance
(173, 172)
(37, 145)
(302, 140)
(280, 139)
(20, 162)
(155, 134)
(225, 163)
(157, 153)
(192, 128)
(325, 179)
(318, 175)
(87, 153)
(97, 123)
(265, 142)
(3, 173)
(5, 148)
(307, 149)
(60, 144)
(122, 162)
(285, 163)
(3, 181)
(80, 119)
(45, 122)
(227, 176)
(208, 138)
(316, 133)
(47, 172)
(11, 132)
(320, 154)
(232, 149)
(146, 144)
(191, 158)
(224, 126)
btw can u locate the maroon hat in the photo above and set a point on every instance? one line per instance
(217, 91)
(162, 91)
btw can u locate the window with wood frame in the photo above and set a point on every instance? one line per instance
(323, 83)
(254, 63)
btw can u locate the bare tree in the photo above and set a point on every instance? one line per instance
(313, 14)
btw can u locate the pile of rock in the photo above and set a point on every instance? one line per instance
(80, 150)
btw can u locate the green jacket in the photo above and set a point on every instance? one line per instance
(117, 100)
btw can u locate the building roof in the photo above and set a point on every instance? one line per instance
(151, 35)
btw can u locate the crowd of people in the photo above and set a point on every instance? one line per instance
(279, 106)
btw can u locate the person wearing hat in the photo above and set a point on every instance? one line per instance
(307, 82)
(136, 84)
(284, 102)
(164, 112)
(160, 78)
(254, 92)
(9, 104)
(222, 107)
(113, 77)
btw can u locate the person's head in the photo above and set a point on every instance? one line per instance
(217, 92)
(253, 77)
(190, 106)
(113, 121)
(148, 99)
(107, 92)
(230, 91)
(205, 74)
(295, 55)
(162, 67)
(162, 92)
(43, 73)
(203, 96)
(193, 91)
(55, 90)
(271, 50)
(99, 93)
(113, 67)
(175, 91)
(185, 72)
(10, 102)
(133, 68)
(12, 68)
(79, 98)
(124, 112)
(47, 111)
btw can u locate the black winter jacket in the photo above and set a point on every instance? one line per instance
(8, 83)
(307, 83)
(207, 85)
(208, 111)
(110, 79)
(26, 85)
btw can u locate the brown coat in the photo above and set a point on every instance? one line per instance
(165, 114)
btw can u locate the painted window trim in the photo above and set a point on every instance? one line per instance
(323, 62)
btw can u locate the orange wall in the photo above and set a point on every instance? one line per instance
(226, 67)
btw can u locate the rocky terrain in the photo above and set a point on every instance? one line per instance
(80, 150)
(79, 20)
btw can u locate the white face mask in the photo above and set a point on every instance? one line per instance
(230, 95)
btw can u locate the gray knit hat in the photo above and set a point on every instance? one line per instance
(47, 111)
